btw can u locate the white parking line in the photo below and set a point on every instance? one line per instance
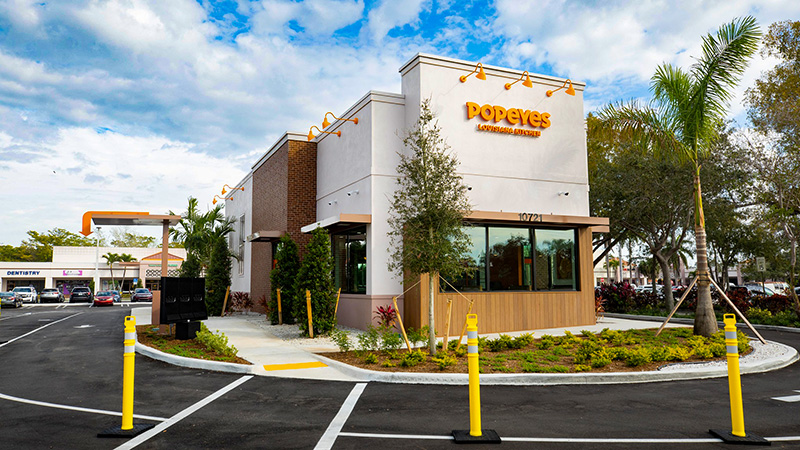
(335, 427)
(565, 440)
(40, 328)
(75, 408)
(181, 415)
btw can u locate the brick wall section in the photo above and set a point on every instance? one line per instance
(284, 198)
(302, 207)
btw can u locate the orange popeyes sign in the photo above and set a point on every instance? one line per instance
(514, 116)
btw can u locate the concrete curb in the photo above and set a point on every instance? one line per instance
(685, 321)
(192, 363)
(541, 379)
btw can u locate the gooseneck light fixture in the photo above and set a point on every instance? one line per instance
(569, 91)
(325, 122)
(214, 202)
(311, 135)
(231, 188)
(481, 74)
(527, 83)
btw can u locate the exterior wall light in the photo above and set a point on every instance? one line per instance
(481, 74)
(352, 193)
(214, 202)
(527, 83)
(569, 91)
(311, 135)
(325, 122)
(564, 193)
(231, 188)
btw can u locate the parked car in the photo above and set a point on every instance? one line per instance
(26, 293)
(142, 295)
(103, 298)
(51, 295)
(756, 289)
(81, 294)
(10, 299)
(117, 296)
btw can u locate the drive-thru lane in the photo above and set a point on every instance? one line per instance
(78, 362)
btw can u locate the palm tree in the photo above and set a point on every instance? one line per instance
(681, 122)
(111, 258)
(199, 231)
(125, 257)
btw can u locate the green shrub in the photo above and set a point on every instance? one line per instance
(341, 339)
(703, 351)
(582, 368)
(588, 334)
(371, 358)
(418, 336)
(569, 339)
(503, 342)
(759, 315)
(522, 341)
(585, 351)
(637, 357)
(444, 360)
(558, 369)
(659, 353)
(370, 340)
(316, 276)
(390, 340)
(618, 353)
(387, 363)
(546, 342)
(560, 351)
(283, 276)
(676, 353)
(718, 349)
(215, 342)
(600, 358)
(412, 359)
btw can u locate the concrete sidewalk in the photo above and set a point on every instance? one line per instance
(299, 358)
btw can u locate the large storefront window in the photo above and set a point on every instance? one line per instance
(474, 277)
(350, 260)
(509, 259)
(518, 259)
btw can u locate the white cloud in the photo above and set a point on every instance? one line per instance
(391, 13)
(317, 17)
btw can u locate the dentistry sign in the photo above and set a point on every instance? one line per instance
(517, 121)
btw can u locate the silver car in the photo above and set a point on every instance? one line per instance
(26, 293)
(51, 295)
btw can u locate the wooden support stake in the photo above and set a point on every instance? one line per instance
(447, 324)
(280, 312)
(685, 293)
(308, 306)
(464, 330)
(336, 309)
(400, 321)
(744, 319)
(225, 302)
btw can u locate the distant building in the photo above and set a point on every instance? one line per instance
(75, 266)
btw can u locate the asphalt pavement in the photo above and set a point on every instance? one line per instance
(71, 358)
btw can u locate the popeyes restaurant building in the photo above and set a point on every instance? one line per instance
(523, 155)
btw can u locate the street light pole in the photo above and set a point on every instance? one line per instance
(97, 259)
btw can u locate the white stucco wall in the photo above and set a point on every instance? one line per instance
(241, 204)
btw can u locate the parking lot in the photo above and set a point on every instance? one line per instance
(62, 385)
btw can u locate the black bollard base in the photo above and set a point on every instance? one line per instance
(486, 437)
(748, 439)
(118, 432)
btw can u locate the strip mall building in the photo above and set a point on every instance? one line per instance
(522, 153)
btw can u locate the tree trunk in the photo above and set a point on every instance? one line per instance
(664, 264)
(432, 329)
(705, 322)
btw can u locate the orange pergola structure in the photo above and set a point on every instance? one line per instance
(135, 218)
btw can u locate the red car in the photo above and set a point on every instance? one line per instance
(103, 298)
(142, 295)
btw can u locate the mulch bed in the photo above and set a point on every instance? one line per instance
(189, 348)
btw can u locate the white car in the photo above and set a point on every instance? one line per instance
(26, 293)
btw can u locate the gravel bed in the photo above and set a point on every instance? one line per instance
(291, 333)
(761, 352)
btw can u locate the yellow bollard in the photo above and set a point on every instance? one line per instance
(280, 313)
(475, 434)
(308, 305)
(128, 362)
(128, 429)
(737, 434)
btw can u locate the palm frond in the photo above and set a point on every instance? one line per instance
(645, 127)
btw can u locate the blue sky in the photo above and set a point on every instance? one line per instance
(136, 104)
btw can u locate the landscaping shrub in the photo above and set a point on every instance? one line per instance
(240, 301)
(218, 276)
(316, 275)
(637, 357)
(215, 342)
(775, 303)
(283, 276)
(417, 336)
(618, 296)
(369, 341)
(341, 339)
(390, 340)
(444, 360)
(412, 359)
(371, 358)
(386, 316)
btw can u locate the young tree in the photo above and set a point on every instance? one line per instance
(198, 231)
(316, 276)
(688, 107)
(427, 210)
(125, 257)
(283, 276)
(218, 277)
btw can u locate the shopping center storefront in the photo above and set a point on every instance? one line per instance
(522, 153)
(75, 266)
